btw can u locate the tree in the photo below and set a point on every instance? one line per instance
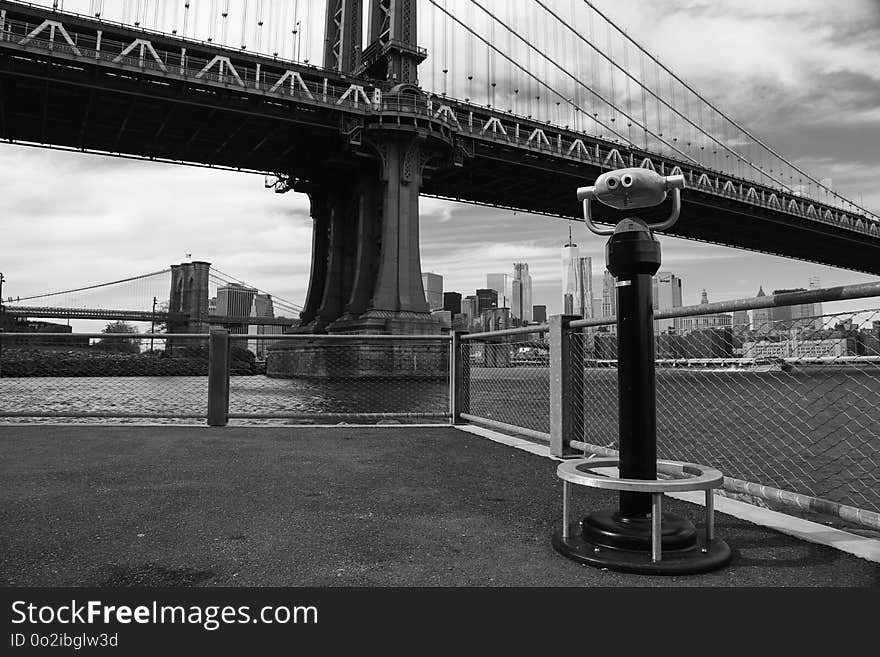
(161, 327)
(119, 344)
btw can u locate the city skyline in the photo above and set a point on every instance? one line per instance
(816, 103)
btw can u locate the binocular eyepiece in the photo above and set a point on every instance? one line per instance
(632, 188)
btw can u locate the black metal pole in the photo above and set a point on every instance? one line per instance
(2, 320)
(152, 324)
(633, 257)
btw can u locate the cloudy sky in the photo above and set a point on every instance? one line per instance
(802, 74)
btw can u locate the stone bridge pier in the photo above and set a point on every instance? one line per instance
(366, 273)
(188, 301)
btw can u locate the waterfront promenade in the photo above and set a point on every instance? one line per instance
(312, 506)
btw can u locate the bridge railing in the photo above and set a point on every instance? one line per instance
(786, 404)
(87, 377)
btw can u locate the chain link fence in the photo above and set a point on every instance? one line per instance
(89, 377)
(84, 377)
(790, 402)
(509, 381)
(793, 404)
(355, 379)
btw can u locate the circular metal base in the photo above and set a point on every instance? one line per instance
(609, 529)
(698, 558)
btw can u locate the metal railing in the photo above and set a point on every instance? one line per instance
(787, 406)
(218, 377)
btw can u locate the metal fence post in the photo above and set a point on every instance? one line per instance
(566, 400)
(459, 378)
(218, 378)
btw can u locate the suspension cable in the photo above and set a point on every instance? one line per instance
(570, 75)
(228, 278)
(93, 287)
(725, 116)
(516, 64)
(656, 95)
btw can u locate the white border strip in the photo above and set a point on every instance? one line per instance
(806, 530)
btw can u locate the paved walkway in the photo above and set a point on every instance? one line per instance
(303, 506)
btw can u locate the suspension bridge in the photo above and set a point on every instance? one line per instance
(178, 297)
(510, 105)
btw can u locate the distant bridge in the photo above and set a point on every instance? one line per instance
(140, 316)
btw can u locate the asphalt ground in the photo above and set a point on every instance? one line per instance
(345, 506)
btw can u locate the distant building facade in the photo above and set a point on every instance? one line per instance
(503, 286)
(486, 298)
(539, 314)
(667, 296)
(433, 284)
(470, 310)
(452, 302)
(235, 300)
(701, 322)
(521, 307)
(577, 282)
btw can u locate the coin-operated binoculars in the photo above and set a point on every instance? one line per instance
(638, 536)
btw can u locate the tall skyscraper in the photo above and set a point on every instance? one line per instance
(262, 306)
(577, 281)
(235, 300)
(503, 285)
(667, 295)
(470, 308)
(609, 295)
(433, 284)
(521, 308)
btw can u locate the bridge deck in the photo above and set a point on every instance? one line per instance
(149, 506)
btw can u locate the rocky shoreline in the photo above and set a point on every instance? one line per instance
(91, 362)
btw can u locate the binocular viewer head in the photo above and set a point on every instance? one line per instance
(631, 188)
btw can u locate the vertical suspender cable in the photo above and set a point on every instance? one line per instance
(644, 74)
(224, 30)
(611, 74)
(259, 35)
(244, 22)
(306, 25)
(594, 76)
(628, 90)
(212, 19)
(185, 17)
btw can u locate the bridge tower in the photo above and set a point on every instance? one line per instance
(366, 270)
(188, 302)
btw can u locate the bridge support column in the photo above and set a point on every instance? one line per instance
(366, 271)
